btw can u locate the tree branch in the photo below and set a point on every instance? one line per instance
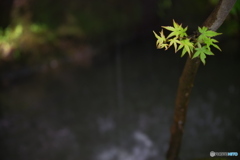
(186, 81)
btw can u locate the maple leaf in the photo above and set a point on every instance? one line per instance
(202, 52)
(210, 42)
(177, 30)
(187, 46)
(205, 33)
(208, 33)
(174, 42)
(161, 40)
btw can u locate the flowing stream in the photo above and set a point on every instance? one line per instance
(121, 109)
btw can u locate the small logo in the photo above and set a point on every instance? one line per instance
(223, 154)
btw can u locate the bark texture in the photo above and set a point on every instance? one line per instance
(186, 81)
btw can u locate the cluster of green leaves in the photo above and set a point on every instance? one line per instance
(12, 37)
(10, 34)
(8, 39)
(38, 28)
(195, 46)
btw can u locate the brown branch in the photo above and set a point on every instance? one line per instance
(186, 81)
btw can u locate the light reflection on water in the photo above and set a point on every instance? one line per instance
(142, 148)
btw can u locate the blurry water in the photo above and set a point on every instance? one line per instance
(74, 113)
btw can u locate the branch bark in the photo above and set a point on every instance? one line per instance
(186, 81)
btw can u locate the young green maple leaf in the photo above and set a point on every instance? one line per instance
(177, 30)
(174, 42)
(187, 46)
(210, 42)
(161, 40)
(206, 33)
(202, 52)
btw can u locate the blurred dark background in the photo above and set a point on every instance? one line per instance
(84, 80)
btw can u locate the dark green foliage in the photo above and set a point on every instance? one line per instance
(92, 17)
